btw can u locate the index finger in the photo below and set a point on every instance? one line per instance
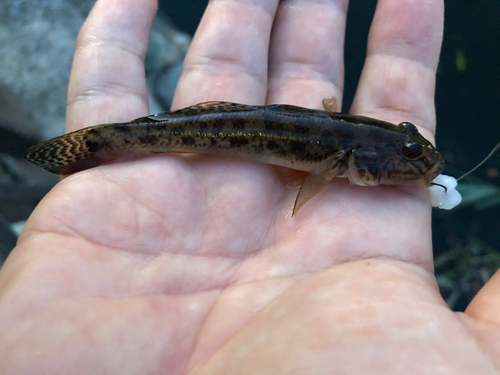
(398, 78)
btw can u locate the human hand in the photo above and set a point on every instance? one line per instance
(173, 264)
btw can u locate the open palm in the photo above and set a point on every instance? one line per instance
(182, 264)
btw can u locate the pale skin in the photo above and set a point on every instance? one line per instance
(175, 265)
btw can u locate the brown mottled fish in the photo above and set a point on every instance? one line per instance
(327, 144)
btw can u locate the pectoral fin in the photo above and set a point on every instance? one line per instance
(331, 104)
(318, 178)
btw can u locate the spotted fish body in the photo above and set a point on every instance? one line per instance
(327, 144)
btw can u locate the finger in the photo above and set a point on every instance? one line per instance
(398, 78)
(107, 80)
(306, 54)
(227, 59)
(485, 306)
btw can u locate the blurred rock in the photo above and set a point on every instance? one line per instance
(36, 48)
(36, 45)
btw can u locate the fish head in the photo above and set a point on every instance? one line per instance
(407, 157)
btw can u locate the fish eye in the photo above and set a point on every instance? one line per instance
(409, 127)
(413, 150)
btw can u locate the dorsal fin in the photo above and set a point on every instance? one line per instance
(214, 106)
(201, 108)
(291, 109)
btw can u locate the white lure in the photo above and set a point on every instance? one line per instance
(448, 198)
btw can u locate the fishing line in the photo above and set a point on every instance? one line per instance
(472, 170)
(481, 163)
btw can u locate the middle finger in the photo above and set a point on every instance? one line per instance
(227, 59)
(306, 52)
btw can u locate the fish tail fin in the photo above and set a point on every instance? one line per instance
(67, 154)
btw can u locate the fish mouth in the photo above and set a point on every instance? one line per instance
(438, 162)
